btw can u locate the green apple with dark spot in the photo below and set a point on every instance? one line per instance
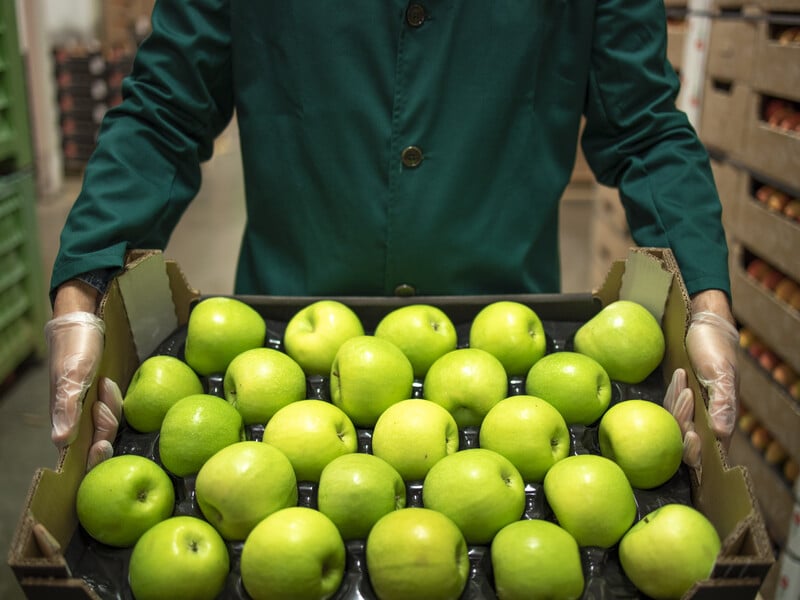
(625, 338)
(314, 333)
(180, 557)
(533, 558)
(422, 331)
(219, 328)
(644, 439)
(591, 498)
(296, 552)
(368, 375)
(467, 382)
(575, 384)
(260, 381)
(512, 332)
(156, 385)
(311, 433)
(479, 489)
(669, 550)
(417, 553)
(122, 497)
(242, 484)
(413, 435)
(529, 432)
(355, 490)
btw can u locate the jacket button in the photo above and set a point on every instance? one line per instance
(411, 156)
(404, 290)
(415, 14)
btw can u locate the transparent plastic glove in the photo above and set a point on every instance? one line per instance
(106, 415)
(679, 400)
(711, 343)
(75, 342)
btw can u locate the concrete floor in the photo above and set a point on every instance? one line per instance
(214, 222)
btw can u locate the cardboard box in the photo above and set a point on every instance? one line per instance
(757, 308)
(151, 298)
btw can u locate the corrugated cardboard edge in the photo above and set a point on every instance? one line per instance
(744, 561)
(746, 555)
(37, 574)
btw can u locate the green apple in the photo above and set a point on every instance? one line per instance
(181, 557)
(368, 375)
(422, 331)
(413, 435)
(194, 429)
(315, 332)
(479, 489)
(242, 484)
(625, 338)
(467, 382)
(260, 381)
(512, 332)
(591, 498)
(575, 384)
(529, 432)
(417, 553)
(311, 433)
(296, 552)
(122, 497)
(219, 328)
(355, 490)
(533, 558)
(644, 439)
(156, 385)
(669, 550)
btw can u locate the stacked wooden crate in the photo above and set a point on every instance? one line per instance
(751, 124)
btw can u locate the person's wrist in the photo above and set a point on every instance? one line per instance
(75, 296)
(715, 301)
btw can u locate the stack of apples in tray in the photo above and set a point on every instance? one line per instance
(505, 457)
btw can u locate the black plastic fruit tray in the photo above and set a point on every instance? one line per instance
(105, 569)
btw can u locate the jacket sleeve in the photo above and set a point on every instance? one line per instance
(637, 141)
(145, 169)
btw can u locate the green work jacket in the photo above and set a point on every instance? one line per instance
(392, 146)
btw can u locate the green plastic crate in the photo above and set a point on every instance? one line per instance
(15, 140)
(22, 293)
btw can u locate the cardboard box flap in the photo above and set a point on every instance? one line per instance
(161, 285)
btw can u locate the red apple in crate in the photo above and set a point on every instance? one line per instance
(763, 192)
(792, 209)
(777, 201)
(794, 301)
(768, 360)
(771, 278)
(757, 268)
(791, 470)
(794, 390)
(786, 288)
(784, 374)
(775, 453)
(760, 438)
(756, 349)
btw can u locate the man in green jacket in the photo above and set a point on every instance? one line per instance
(423, 148)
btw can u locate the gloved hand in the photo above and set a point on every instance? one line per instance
(711, 343)
(679, 400)
(76, 341)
